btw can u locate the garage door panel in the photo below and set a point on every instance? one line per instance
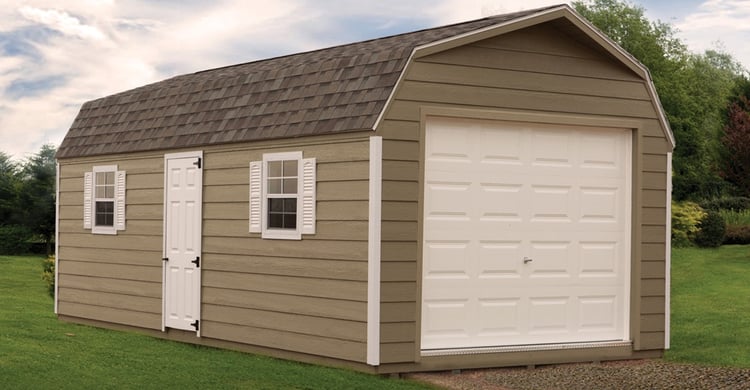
(497, 194)
(501, 148)
(446, 318)
(598, 313)
(499, 317)
(599, 204)
(552, 148)
(447, 259)
(500, 259)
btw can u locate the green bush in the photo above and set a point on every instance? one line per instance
(14, 240)
(736, 203)
(712, 230)
(686, 219)
(737, 235)
(48, 274)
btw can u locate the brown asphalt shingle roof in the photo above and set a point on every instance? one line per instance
(333, 90)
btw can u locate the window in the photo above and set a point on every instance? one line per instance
(282, 196)
(104, 200)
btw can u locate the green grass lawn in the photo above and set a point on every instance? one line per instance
(711, 306)
(38, 352)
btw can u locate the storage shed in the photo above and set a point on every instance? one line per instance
(487, 193)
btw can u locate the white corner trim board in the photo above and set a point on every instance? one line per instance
(373, 251)
(57, 229)
(668, 256)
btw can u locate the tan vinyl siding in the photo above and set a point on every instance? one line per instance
(307, 296)
(114, 278)
(537, 69)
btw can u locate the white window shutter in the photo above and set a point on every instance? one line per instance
(308, 196)
(120, 200)
(256, 182)
(88, 204)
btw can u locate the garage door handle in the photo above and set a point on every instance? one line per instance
(527, 260)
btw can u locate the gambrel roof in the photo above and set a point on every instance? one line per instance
(339, 89)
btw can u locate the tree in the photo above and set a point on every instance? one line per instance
(38, 194)
(693, 89)
(9, 182)
(736, 142)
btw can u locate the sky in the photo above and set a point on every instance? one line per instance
(57, 54)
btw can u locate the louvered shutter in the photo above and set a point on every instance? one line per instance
(120, 200)
(308, 196)
(256, 213)
(88, 192)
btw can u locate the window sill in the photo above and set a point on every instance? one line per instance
(273, 234)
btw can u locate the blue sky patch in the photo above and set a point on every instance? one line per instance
(28, 88)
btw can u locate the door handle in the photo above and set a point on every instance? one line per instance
(527, 260)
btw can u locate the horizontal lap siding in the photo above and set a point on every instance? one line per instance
(113, 278)
(537, 69)
(653, 242)
(306, 295)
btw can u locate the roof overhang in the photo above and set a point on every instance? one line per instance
(562, 11)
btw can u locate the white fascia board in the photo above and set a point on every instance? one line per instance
(373, 251)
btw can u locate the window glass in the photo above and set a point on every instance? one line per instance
(274, 186)
(290, 186)
(290, 168)
(105, 213)
(105, 199)
(282, 194)
(282, 213)
(274, 168)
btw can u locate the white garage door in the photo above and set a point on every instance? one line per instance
(526, 234)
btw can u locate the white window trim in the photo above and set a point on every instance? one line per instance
(95, 229)
(281, 234)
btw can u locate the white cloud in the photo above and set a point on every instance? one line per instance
(723, 21)
(62, 22)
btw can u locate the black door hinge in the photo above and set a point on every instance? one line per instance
(196, 324)
(198, 163)
(165, 259)
(197, 261)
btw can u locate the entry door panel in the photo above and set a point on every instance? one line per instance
(182, 242)
(526, 234)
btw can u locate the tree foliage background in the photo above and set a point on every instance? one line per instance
(27, 201)
(694, 89)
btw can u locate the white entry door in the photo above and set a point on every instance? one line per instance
(183, 185)
(526, 234)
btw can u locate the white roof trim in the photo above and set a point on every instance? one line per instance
(592, 29)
